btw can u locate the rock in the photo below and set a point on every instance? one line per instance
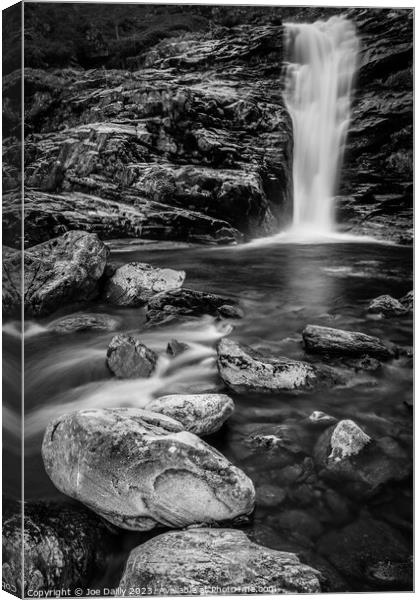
(392, 575)
(347, 439)
(11, 282)
(366, 363)
(140, 470)
(191, 303)
(357, 549)
(320, 419)
(408, 300)
(134, 284)
(345, 454)
(84, 322)
(215, 562)
(128, 358)
(326, 340)
(58, 272)
(245, 370)
(65, 546)
(386, 306)
(176, 348)
(201, 414)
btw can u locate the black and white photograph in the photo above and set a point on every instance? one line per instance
(207, 222)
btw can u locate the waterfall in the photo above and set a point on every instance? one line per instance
(322, 60)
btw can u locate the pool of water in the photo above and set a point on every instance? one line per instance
(282, 288)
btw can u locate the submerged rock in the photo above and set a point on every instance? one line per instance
(84, 322)
(213, 562)
(201, 414)
(326, 340)
(243, 369)
(359, 549)
(191, 303)
(140, 470)
(135, 283)
(387, 306)
(65, 546)
(320, 419)
(58, 272)
(344, 453)
(128, 358)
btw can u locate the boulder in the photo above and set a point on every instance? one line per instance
(128, 358)
(387, 306)
(61, 271)
(346, 455)
(84, 322)
(135, 283)
(214, 562)
(245, 370)
(190, 303)
(175, 348)
(11, 281)
(326, 340)
(201, 414)
(408, 300)
(359, 549)
(140, 470)
(318, 418)
(65, 546)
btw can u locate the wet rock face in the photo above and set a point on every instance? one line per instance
(243, 369)
(128, 358)
(377, 177)
(201, 414)
(135, 283)
(186, 147)
(186, 302)
(347, 455)
(65, 546)
(63, 270)
(326, 340)
(140, 470)
(215, 559)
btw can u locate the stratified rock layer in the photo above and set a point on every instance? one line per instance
(215, 561)
(140, 470)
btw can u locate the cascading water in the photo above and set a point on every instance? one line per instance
(322, 61)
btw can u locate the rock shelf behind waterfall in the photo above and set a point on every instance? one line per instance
(140, 470)
(216, 562)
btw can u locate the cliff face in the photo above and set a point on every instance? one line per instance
(194, 143)
(377, 179)
(189, 138)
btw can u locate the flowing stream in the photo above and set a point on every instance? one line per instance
(322, 61)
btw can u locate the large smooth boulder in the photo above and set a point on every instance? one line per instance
(326, 340)
(245, 370)
(65, 546)
(186, 302)
(214, 562)
(201, 414)
(128, 358)
(135, 283)
(140, 470)
(361, 465)
(61, 271)
(387, 306)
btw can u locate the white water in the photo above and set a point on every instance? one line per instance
(319, 79)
